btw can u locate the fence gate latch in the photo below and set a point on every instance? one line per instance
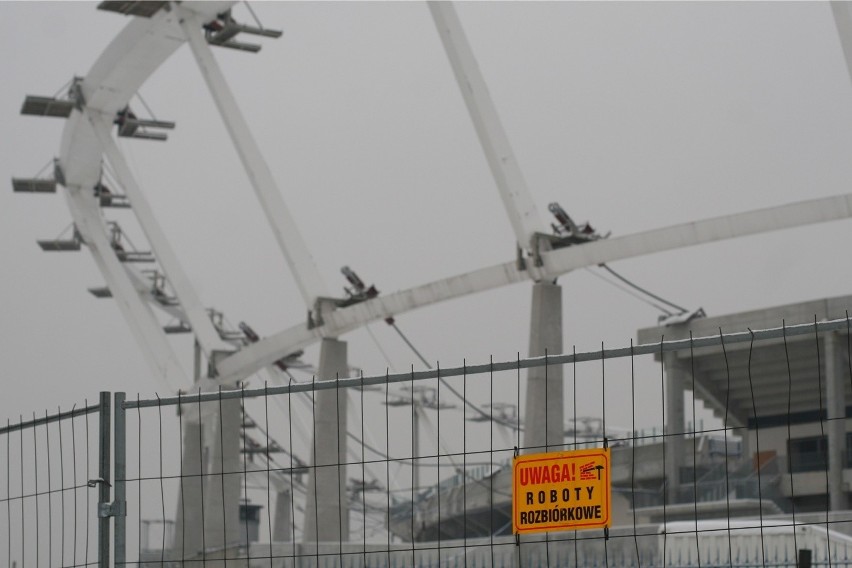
(114, 509)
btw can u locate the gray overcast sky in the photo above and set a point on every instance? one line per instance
(631, 115)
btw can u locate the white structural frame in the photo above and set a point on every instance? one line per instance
(139, 49)
(511, 185)
(556, 263)
(145, 43)
(283, 225)
(141, 320)
(842, 12)
(207, 335)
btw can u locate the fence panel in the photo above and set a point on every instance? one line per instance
(415, 468)
(725, 451)
(51, 488)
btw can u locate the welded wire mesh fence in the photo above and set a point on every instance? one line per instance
(50, 486)
(723, 454)
(726, 450)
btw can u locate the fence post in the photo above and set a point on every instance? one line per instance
(120, 493)
(104, 419)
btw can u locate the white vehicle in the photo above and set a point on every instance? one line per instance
(776, 542)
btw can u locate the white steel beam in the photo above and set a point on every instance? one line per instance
(843, 20)
(277, 214)
(202, 326)
(507, 174)
(131, 57)
(556, 263)
(138, 315)
(699, 232)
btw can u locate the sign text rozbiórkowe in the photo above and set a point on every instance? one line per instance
(560, 491)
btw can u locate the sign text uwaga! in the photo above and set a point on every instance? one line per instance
(561, 491)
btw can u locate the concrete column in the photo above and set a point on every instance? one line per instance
(675, 426)
(544, 416)
(188, 528)
(189, 525)
(282, 527)
(326, 508)
(222, 485)
(835, 391)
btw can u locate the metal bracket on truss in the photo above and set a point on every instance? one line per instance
(538, 239)
(58, 173)
(222, 30)
(322, 306)
(75, 93)
(565, 234)
(359, 292)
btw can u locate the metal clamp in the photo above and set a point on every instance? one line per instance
(114, 509)
(95, 482)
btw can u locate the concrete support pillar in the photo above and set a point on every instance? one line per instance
(835, 390)
(326, 507)
(222, 485)
(676, 377)
(188, 524)
(189, 540)
(544, 416)
(282, 528)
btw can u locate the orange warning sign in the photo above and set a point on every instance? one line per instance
(561, 491)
